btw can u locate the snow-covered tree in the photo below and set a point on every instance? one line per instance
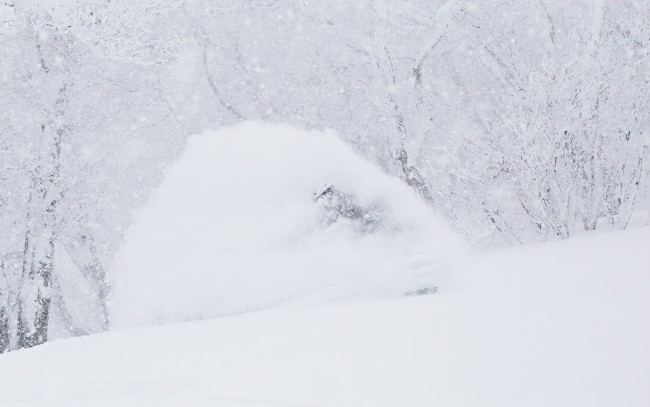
(58, 53)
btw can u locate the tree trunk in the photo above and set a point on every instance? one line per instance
(38, 256)
(4, 312)
(35, 294)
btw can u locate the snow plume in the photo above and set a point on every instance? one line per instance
(261, 215)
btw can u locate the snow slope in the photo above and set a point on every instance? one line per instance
(557, 324)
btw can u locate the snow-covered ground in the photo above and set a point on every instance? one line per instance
(238, 226)
(557, 324)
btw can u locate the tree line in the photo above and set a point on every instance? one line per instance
(517, 121)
